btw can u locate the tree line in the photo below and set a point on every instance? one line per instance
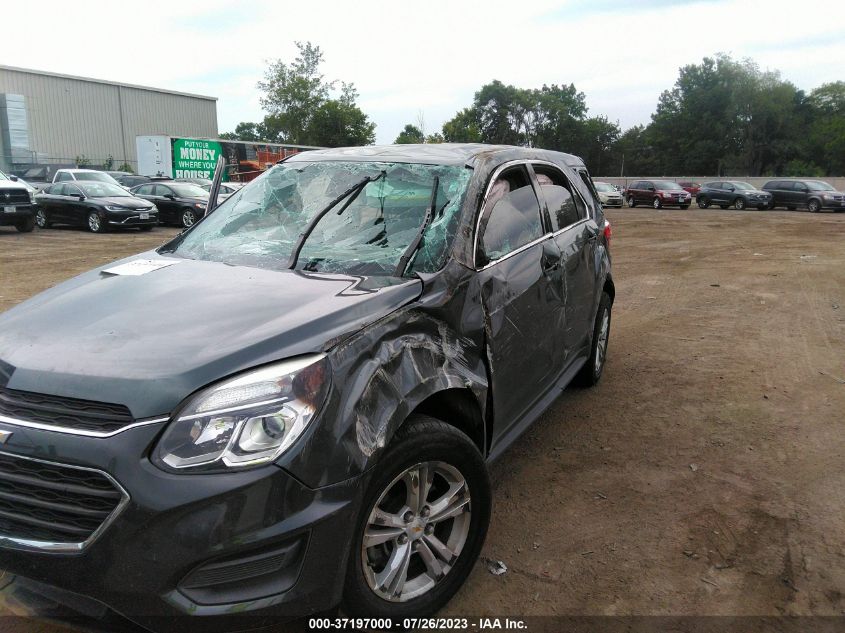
(721, 117)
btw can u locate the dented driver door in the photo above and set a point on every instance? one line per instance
(520, 282)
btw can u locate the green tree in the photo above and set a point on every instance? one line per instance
(246, 131)
(301, 109)
(410, 134)
(826, 138)
(724, 116)
(462, 128)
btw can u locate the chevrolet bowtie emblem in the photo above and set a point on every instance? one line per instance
(4, 436)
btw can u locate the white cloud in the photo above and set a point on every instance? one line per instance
(428, 56)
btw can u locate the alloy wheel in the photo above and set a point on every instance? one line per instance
(656, 203)
(41, 219)
(416, 531)
(94, 222)
(813, 206)
(188, 218)
(739, 204)
(601, 343)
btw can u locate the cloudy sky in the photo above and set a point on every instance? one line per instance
(429, 56)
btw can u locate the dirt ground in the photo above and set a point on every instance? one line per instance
(704, 475)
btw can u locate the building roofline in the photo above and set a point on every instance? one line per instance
(105, 81)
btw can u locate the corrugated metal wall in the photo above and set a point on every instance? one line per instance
(70, 117)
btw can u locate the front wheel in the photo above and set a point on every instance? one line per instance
(703, 203)
(188, 218)
(739, 203)
(592, 370)
(656, 203)
(95, 224)
(423, 522)
(631, 202)
(26, 226)
(814, 206)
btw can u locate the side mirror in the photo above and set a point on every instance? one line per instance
(13, 178)
(731, 189)
(81, 197)
(169, 196)
(651, 188)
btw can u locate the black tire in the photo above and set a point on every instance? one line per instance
(95, 223)
(703, 202)
(42, 219)
(656, 203)
(26, 226)
(420, 439)
(591, 372)
(771, 206)
(739, 203)
(146, 228)
(813, 206)
(631, 202)
(188, 218)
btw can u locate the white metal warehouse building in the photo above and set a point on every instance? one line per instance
(51, 119)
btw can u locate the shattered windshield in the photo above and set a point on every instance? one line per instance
(366, 231)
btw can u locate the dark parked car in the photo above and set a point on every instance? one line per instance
(814, 195)
(179, 203)
(732, 193)
(17, 206)
(202, 182)
(131, 180)
(95, 205)
(292, 404)
(657, 193)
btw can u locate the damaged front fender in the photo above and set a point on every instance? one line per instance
(391, 368)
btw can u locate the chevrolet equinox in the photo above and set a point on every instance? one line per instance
(290, 407)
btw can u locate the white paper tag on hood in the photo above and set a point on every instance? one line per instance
(140, 266)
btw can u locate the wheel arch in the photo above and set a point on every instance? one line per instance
(458, 408)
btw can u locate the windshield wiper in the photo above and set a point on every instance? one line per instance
(357, 188)
(415, 244)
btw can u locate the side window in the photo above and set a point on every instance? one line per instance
(56, 190)
(565, 205)
(588, 182)
(510, 217)
(161, 190)
(72, 190)
(145, 190)
(63, 176)
(787, 185)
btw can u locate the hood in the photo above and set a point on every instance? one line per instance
(125, 201)
(12, 184)
(148, 341)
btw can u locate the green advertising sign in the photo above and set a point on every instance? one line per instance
(195, 158)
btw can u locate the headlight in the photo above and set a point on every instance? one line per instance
(116, 208)
(199, 205)
(828, 196)
(248, 420)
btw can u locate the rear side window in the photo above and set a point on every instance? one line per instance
(161, 190)
(511, 216)
(786, 185)
(565, 206)
(145, 190)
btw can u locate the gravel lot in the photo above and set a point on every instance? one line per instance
(704, 475)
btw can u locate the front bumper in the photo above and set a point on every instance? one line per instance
(214, 552)
(16, 213)
(131, 218)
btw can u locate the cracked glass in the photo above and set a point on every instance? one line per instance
(365, 232)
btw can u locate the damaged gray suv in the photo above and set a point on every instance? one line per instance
(291, 405)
